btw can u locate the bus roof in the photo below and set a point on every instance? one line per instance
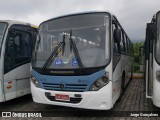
(154, 16)
(12, 22)
(78, 13)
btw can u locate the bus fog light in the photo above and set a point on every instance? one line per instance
(158, 76)
(34, 81)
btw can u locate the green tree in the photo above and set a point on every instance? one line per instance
(136, 46)
(137, 56)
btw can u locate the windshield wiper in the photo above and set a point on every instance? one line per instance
(61, 44)
(75, 50)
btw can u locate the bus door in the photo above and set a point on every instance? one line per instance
(18, 52)
(149, 60)
(116, 61)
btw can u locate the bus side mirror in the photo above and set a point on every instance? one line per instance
(148, 47)
(150, 31)
(117, 35)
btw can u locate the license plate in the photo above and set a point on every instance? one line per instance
(62, 97)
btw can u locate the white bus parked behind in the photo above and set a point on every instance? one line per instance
(17, 41)
(152, 59)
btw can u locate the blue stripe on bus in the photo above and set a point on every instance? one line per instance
(71, 83)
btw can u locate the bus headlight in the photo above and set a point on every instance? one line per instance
(34, 81)
(158, 75)
(98, 84)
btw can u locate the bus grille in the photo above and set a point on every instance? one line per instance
(67, 87)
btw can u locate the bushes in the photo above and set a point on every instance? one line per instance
(136, 68)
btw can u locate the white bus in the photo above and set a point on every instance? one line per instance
(152, 59)
(81, 60)
(16, 43)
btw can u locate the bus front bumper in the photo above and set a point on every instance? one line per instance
(99, 100)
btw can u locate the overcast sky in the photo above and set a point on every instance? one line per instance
(132, 14)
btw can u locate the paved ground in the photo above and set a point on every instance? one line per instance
(133, 100)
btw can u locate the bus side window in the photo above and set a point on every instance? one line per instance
(17, 40)
(123, 44)
(10, 45)
(127, 45)
(18, 49)
(116, 47)
(28, 44)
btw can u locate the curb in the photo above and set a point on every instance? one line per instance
(138, 76)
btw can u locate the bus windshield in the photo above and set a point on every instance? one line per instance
(84, 38)
(2, 30)
(158, 38)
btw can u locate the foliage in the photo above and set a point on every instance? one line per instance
(137, 57)
(136, 47)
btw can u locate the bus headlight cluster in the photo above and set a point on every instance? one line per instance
(158, 75)
(98, 84)
(34, 81)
